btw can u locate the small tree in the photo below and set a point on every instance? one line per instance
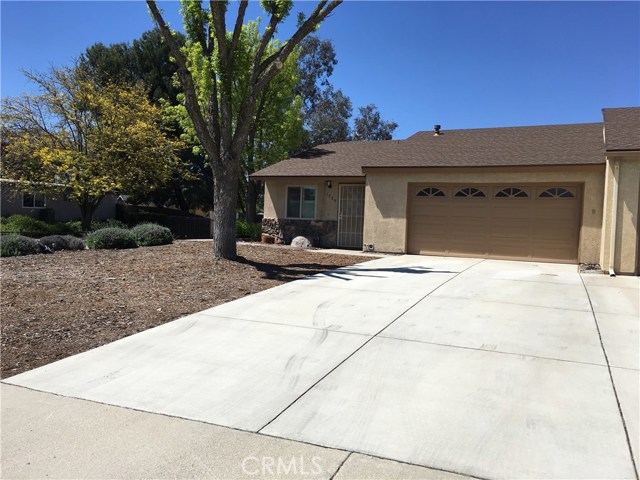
(207, 68)
(85, 140)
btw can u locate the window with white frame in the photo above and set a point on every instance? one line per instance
(34, 200)
(301, 202)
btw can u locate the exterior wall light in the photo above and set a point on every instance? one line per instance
(328, 183)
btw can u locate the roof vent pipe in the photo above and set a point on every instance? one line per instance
(436, 129)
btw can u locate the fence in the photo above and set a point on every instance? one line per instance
(182, 226)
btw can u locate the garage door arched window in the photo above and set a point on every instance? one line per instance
(556, 192)
(470, 192)
(511, 192)
(430, 192)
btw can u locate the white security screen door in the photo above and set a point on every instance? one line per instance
(350, 216)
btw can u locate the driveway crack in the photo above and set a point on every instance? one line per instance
(340, 466)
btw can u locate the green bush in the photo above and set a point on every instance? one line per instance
(13, 245)
(151, 234)
(62, 242)
(30, 227)
(107, 223)
(73, 227)
(248, 231)
(111, 238)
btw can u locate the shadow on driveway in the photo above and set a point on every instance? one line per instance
(295, 270)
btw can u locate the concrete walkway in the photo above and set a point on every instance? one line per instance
(490, 369)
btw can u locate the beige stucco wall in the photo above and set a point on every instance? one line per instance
(385, 224)
(275, 195)
(628, 209)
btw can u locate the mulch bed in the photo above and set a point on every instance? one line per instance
(54, 306)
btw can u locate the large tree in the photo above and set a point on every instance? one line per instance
(368, 125)
(85, 140)
(316, 60)
(328, 121)
(146, 60)
(207, 67)
(277, 125)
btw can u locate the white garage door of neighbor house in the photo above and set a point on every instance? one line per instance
(510, 221)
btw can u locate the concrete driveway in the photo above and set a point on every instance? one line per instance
(484, 368)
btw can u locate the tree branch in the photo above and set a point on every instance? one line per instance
(279, 57)
(264, 42)
(242, 8)
(218, 10)
(191, 98)
(269, 68)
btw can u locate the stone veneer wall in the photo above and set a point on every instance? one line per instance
(321, 233)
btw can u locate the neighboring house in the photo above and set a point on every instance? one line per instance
(15, 199)
(560, 193)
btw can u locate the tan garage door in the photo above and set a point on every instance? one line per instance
(515, 221)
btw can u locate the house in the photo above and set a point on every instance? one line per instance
(558, 193)
(15, 199)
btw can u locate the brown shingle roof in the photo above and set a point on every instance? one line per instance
(343, 159)
(621, 128)
(577, 144)
(501, 147)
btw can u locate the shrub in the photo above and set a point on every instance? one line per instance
(29, 226)
(62, 242)
(111, 238)
(150, 234)
(73, 227)
(248, 231)
(13, 245)
(107, 223)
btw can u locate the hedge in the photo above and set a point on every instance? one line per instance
(109, 238)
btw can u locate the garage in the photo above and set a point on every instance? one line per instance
(514, 221)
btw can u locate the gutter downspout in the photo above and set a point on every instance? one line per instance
(614, 217)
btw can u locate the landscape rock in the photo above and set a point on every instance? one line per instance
(301, 242)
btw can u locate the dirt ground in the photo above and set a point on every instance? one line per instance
(54, 306)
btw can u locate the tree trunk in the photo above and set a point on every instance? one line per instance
(87, 209)
(180, 200)
(225, 197)
(252, 200)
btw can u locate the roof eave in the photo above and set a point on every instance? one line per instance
(489, 166)
(327, 175)
(623, 150)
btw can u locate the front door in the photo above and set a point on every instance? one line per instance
(350, 216)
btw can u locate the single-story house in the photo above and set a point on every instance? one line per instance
(16, 199)
(557, 193)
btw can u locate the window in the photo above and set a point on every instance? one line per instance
(301, 202)
(34, 200)
(470, 192)
(556, 192)
(511, 192)
(430, 192)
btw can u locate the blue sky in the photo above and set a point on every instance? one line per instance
(459, 64)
